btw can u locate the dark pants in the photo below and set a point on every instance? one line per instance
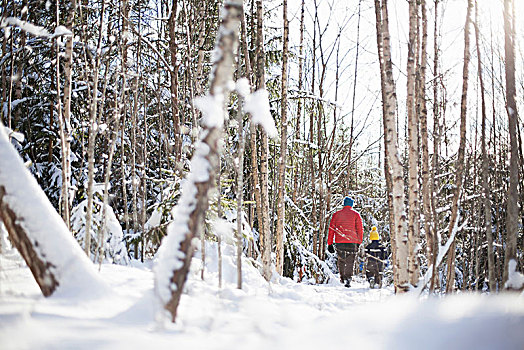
(374, 269)
(346, 253)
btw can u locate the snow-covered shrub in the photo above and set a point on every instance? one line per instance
(306, 266)
(114, 248)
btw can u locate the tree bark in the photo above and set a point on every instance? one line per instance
(174, 81)
(264, 151)
(427, 185)
(485, 181)
(512, 219)
(436, 143)
(92, 136)
(413, 136)
(400, 267)
(459, 168)
(66, 152)
(283, 151)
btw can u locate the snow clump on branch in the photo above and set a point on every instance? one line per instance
(257, 104)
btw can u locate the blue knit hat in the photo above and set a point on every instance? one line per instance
(348, 202)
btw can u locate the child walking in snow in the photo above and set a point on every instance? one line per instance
(376, 254)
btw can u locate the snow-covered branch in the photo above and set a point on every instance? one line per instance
(34, 29)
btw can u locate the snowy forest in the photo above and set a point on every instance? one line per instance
(170, 172)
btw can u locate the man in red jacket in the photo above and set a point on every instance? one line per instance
(345, 233)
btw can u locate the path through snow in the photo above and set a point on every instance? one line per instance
(285, 315)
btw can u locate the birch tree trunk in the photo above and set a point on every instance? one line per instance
(66, 152)
(400, 267)
(512, 228)
(92, 136)
(427, 185)
(413, 124)
(283, 151)
(176, 251)
(459, 168)
(264, 151)
(485, 181)
(387, 173)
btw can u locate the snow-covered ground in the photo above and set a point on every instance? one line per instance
(283, 315)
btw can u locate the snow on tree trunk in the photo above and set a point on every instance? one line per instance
(37, 231)
(176, 251)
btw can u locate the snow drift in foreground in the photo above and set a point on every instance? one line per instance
(284, 315)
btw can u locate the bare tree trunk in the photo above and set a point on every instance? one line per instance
(20, 66)
(92, 136)
(351, 128)
(512, 228)
(427, 185)
(134, 148)
(252, 134)
(400, 267)
(107, 176)
(64, 191)
(4, 82)
(312, 175)
(125, 12)
(413, 124)
(296, 164)
(485, 181)
(174, 80)
(264, 151)
(194, 200)
(460, 159)
(240, 188)
(435, 244)
(10, 93)
(66, 152)
(387, 173)
(283, 151)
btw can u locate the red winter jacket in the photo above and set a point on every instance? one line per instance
(345, 227)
